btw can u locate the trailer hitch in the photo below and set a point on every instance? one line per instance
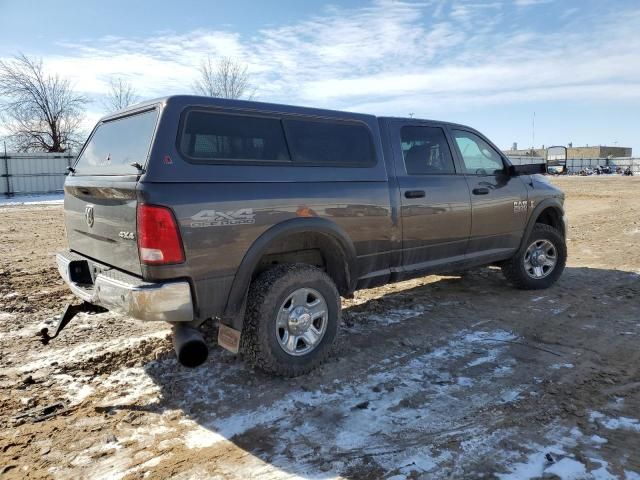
(69, 312)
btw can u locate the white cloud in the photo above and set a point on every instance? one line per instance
(527, 3)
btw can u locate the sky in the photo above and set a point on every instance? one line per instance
(490, 64)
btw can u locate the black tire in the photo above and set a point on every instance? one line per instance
(259, 343)
(514, 268)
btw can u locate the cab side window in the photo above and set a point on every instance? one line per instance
(478, 156)
(425, 151)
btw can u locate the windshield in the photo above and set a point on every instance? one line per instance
(117, 144)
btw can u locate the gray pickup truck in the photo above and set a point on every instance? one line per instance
(185, 209)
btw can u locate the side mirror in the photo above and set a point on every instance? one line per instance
(557, 160)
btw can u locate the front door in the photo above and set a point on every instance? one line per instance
(435, 204)
(498, 200)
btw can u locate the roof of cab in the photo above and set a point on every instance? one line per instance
(184, 101)
(195, 101)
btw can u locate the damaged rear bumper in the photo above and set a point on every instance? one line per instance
(125, 294)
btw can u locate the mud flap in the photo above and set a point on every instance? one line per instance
(229, 338)
(69, 312)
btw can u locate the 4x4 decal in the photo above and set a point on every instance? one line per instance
(215, 218)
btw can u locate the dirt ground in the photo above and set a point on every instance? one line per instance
(440, 377)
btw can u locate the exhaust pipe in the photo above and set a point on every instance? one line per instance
(189, 345)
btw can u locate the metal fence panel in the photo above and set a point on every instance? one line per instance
(33, 173)
(4, 175)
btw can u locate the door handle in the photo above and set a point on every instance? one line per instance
(480, 191)
(414, 193)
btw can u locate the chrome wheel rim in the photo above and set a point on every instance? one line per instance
(540, 259)
(302, 321)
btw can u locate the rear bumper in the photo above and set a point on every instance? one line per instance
(126, 294)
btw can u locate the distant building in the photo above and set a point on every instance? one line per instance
(600, 151)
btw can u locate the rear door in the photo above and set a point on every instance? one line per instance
(498, 200)
(435, 204)
(100, 195)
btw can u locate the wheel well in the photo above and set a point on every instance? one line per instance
(312, 248)
(550, 216)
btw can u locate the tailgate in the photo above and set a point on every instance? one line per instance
(101, 222)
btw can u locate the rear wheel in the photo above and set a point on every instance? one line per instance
(292, 318)
(540, 263)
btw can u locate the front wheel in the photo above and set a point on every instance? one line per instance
(540, 262)
(292, 318)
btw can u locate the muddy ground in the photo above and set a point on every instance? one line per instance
(437, 377)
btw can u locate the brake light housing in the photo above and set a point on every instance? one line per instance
(159, 240)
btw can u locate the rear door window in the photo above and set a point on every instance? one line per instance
(317, 142)
(216, 136)
(425, 151)
(118, 144)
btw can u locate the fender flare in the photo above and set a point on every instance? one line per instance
(236, 300)
(542, 206)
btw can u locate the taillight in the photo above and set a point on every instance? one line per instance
(158, 236)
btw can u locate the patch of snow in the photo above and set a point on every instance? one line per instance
(489, 357)
(610, 423)
(146, 434)
(559, 310)
(510, 395)
(45, 199)
(43, 358)
(598, 439)
(465, 381)
(623, 423)
(200, 437)
(558, 366)
(531, 468)
(502, 370)
(567, 468)
(601, 473)
(134, 381)
(564, 466)
(395, 315)
(81, 393)
(422, 462)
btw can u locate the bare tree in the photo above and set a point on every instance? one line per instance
(225, 78)
(40, 111)
(121, 94)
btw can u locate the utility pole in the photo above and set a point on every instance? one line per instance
(6, 170)
(533, 131)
